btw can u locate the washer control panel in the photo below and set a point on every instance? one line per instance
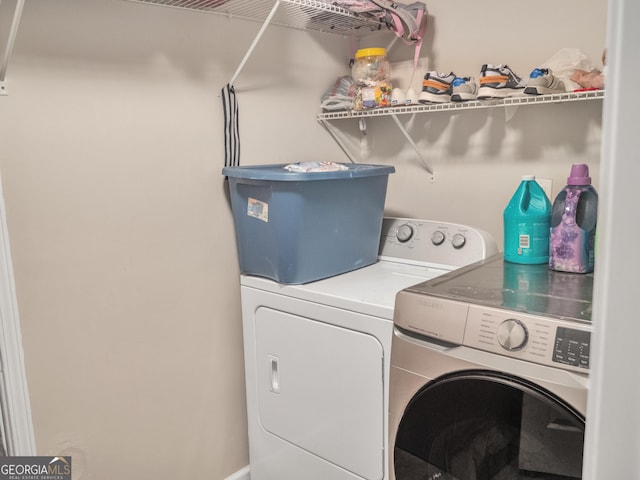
(526, 312)
(548, 341)
(544, 340)
(440, 243)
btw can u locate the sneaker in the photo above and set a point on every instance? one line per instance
(397, 97)
(464, 88)
(436, 87)
(499, 82)
(542, 81)
(411, 97)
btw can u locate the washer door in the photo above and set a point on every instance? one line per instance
(484, 425)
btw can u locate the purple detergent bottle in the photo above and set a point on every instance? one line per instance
(573, 224)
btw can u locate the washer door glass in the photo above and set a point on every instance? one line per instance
(480, 425)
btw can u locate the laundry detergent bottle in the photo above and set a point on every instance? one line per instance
(527, 220)
(573, 224)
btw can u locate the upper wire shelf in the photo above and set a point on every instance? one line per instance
(473, 104)
(314, 15)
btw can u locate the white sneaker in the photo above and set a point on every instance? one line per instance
(411, 97)
(397, 97)
(463, 89)
(542, 81)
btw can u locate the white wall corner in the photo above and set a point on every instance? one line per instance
(242, 474)
(16, 422)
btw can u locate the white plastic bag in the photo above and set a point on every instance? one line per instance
(565, 63)
(304, 167)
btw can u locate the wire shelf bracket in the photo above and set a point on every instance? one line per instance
(415, 147)
(255, 42)
(332, 131)
(13, 31)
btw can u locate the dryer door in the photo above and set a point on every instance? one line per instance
(320, 388)
(484, 425)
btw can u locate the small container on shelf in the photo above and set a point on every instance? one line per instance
(371, 72)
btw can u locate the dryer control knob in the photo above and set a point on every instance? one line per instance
(437, 237)
(512, 334)
(404, 232)
(458, 240)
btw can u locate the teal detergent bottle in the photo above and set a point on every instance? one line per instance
(573, 224)
(527, 220)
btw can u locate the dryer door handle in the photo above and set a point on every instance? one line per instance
(274, 373)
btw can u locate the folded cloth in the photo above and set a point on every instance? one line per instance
(340, 95)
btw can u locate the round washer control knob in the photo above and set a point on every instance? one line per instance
(512, 334)
(437, 237)
(458, 240)
(404, 232)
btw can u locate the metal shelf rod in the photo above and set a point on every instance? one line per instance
(415, 147)
(329, 128)
(253, 45)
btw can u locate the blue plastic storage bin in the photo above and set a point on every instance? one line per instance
(299, 227)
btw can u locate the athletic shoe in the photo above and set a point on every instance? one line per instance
(411, 97)
(542, 81)
(464, 88)
(499, 81)
(436, 87)
(397, 97)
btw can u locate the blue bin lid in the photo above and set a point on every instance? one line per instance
(277, 172)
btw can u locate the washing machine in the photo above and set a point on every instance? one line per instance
(490, 374)
(317, 356)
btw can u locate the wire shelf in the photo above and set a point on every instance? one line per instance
(474, 104)
(314, 15)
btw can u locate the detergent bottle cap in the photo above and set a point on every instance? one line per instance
(579, 175)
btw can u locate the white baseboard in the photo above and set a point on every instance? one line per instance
(242, 474)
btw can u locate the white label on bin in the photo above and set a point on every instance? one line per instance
(258, 209)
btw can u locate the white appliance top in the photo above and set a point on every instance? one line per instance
(411, 251)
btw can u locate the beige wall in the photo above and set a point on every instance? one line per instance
(122, 238)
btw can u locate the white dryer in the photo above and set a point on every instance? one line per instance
(317, 356)
(490, 374)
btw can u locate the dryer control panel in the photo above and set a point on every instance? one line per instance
(431, 242)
